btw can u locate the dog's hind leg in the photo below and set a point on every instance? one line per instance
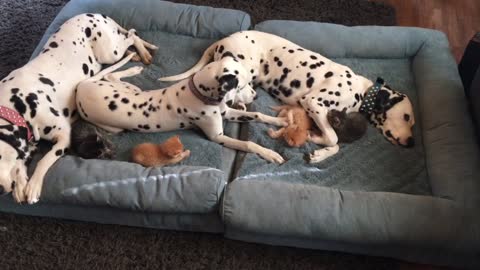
(117, 76)
(144, 43)
(135, 58)
(141, 46)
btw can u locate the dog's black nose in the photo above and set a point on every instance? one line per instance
(2, 190)
(410, 142)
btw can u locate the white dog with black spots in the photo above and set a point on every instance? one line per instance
(295, 75)
(42, 93)
(199, 101)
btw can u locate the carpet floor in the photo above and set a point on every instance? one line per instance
(44, 243)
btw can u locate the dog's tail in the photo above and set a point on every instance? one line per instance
(111, 68)
(206, 58)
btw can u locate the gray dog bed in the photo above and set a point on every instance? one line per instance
(372, 197)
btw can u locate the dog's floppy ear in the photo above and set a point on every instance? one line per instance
(22, 132)
(228, 82)
(382, 100)
(385, 101)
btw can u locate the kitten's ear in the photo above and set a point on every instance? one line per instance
(336, 122)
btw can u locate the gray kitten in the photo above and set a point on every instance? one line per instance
(348, 126)
(90, 141)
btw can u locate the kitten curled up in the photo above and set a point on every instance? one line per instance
(167, 153)
(349, 127)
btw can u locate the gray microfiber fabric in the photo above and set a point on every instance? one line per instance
(370, 164)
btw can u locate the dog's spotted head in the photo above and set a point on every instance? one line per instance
(393, 116)
(13, 146)
(218, 78)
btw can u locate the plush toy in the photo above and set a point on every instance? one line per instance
(349, 127)
(169, 152)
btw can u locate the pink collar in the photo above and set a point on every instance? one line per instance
(15, 118)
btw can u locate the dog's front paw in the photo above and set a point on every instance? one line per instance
(146, 57)
(19, 181)
(19, 191)
(322, 154)
(135, 70)
(32, 191)
(272, 156)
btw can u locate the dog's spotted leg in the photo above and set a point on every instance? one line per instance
(61, 138)
(234, 115)
(20, 179)
(145, 43)
(141, 46)
(327, 137)
(213, 129)
(135, 58)
(117, 76)
(319, 116)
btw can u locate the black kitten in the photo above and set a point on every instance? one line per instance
(89, 141)
(348, 126)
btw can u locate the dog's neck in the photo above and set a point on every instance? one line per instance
(365, 85)
(13, 117)
(369, 98)
(200, 93)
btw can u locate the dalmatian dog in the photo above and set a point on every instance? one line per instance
(295, 75)
(199, 101)
(38, 99)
